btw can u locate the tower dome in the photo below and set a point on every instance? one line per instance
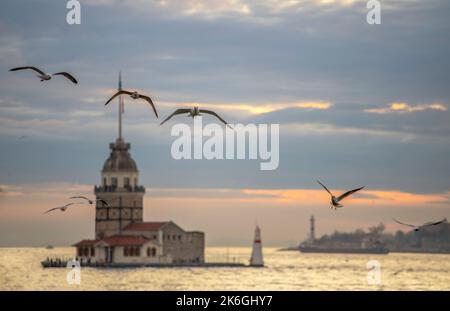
(119, 159)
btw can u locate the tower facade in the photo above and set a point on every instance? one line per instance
(120, 188)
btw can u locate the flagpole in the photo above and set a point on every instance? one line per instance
(120, 106)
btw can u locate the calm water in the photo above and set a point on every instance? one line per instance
(20, 270)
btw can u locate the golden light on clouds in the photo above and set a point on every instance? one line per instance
(403, 107)
(367, 197)
(260, 108)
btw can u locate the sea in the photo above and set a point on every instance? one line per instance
(20, 269)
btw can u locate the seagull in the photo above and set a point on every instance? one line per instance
(91, 201)
(61, 208)
(45, 76)
(134, 95)
(335, 200)
(418, 228)
(193, 113)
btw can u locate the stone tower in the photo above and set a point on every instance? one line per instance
(119, 187)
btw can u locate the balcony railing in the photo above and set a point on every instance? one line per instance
(102, 189)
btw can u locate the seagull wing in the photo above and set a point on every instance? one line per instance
(103, 202)
(213, 114)
(176, 112)
(435, 223)
(28, 67)
(52, 209)
(117, 94)
(402, 223)
(343, 196)
(67, 75)
(325, 188)
(80, 197)
(73, 203)
(147, 98)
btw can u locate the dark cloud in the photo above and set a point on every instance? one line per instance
(273, 55)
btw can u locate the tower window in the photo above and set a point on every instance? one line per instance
(126, 182)
(114, 181)
(104, 182)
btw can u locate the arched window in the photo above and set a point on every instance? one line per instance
(153, 251)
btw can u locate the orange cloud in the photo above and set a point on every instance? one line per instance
(368, 197)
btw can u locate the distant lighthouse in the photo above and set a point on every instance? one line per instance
(312, 230)
(257, 258)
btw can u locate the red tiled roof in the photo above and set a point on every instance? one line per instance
(122, 240)
(85, 243)
(145, 226)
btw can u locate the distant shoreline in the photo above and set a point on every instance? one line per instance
(296, 249)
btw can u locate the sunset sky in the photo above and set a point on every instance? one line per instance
(357, 104)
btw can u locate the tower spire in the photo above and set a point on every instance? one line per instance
(120, 106)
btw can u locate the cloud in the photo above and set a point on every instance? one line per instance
(380, 198)
(11, 49)
(213, 9)
(10, 190)
(400, 120)
(255, 108)
(402, 107)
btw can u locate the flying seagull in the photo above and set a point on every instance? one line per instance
(193, 113)
(335, 200)
(420, 227)
(134, 95)
(91, 201)
(45, 76)
(61, 208)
